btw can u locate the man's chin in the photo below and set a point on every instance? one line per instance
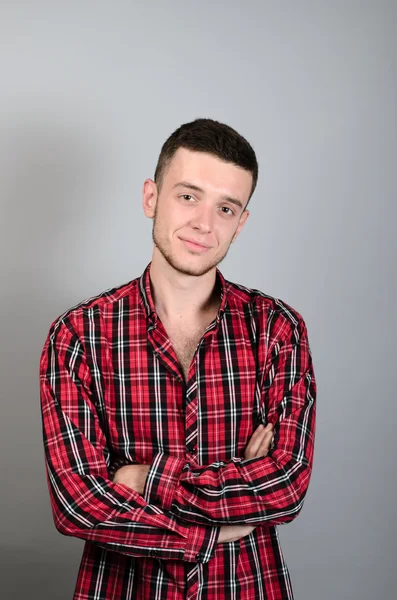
(194, 267)
(187, 267)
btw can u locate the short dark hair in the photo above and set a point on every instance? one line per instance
(213, 137)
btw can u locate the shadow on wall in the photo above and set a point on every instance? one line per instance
(38, 573)
(51, 177)
(51, 180)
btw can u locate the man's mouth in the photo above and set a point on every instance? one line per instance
(193, 245)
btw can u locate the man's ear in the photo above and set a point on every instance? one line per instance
(243, 218)
(149, 197)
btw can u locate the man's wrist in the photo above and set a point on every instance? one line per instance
(134, 476)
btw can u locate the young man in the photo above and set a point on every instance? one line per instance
(155, 395)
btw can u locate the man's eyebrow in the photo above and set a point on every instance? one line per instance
(196, 188)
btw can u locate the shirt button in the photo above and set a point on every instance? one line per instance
(191, 451)
(199, 557)
(153, 553)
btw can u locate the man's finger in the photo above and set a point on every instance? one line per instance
(256, 440)
(266, 440)
(260, 430)
(265, 445)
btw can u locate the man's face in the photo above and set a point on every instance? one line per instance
(199, 211)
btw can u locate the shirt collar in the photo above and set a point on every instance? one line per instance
(147, 298)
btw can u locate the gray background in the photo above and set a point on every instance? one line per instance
(89, 92)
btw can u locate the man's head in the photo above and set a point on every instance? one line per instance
(205, 176)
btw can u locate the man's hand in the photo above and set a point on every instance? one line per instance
(232, 533)
(132, 475)
(258, 445)
(260, 441)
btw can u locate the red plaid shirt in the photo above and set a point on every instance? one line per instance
(113, 393)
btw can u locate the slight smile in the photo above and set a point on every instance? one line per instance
(195, 246)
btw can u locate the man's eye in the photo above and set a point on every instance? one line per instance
(229, 209)
(186, 196)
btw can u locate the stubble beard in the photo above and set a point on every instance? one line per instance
(174, 263)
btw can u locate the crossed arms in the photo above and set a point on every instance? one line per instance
(183, 505)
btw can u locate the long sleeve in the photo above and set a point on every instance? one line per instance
(266, 489)
(85, 502)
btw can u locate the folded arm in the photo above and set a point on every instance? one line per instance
(266, 489)
(85, 502)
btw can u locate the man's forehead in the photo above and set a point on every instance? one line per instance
(203, 168)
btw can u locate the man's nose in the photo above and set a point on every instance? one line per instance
(203, 218)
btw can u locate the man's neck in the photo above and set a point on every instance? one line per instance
(181, 298)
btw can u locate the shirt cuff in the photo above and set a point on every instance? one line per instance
(117, 464)
(162, 480)
(201, 543)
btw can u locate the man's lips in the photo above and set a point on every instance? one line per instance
(195, 245)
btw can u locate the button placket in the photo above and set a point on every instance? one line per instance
(191, 407)
(191, 418)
